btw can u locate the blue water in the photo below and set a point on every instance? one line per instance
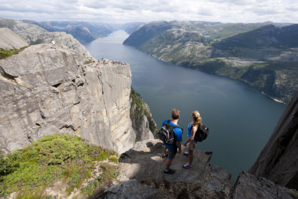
(239, 117)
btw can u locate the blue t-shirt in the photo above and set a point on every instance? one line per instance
(189, 131)
(177, 132)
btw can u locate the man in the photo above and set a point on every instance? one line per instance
(172, 149)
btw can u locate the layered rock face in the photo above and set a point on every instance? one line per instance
(34, 34)
(45, 90)
(278, 160)
(9, 40)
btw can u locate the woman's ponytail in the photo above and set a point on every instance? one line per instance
(197, 117)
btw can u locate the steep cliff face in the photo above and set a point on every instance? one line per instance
(34, 34)
(142, 121)
(278, 160)
(45, 90)
(9, 40)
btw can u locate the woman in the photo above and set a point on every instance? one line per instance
(191, 132)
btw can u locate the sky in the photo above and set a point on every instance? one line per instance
(122, 11)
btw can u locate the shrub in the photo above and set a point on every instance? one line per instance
(52, 158)
(109, 172)
(6, 53)
(113, 159)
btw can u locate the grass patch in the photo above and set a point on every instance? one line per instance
(110, 172)
(88, 61)
(37, 41)
(7, 53)
(113, 159)
(46, 161)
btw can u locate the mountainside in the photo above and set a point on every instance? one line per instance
(84, 32)
(131, 27)
(9, 40)
(265, 56)
(34, 34)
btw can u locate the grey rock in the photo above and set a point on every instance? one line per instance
(34, 34)
(9, 40)
(144, 163)
(250, 187)
(45, 90)
(141, 117)
(278, 160)
(131, 189)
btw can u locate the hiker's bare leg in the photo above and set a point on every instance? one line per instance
(190, 157)
(165, 149)
(168, 163)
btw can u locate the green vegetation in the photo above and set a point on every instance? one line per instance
(37, 41)
(109, 173)
(48, 160)
(113, 159)
(88, 61)
(6, 53)
(137, 109)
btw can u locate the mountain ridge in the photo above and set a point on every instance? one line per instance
(271, 69)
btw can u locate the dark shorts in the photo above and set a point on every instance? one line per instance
(171, 153)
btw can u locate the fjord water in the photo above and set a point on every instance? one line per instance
(240, 118)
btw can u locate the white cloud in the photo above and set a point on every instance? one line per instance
(149, 10)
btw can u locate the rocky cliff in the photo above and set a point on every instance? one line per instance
(278, 160)
(34, 34)
(45, 90)
(142, 172)
(142, 121)
(9, 40)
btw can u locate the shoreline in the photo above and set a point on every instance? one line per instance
(276, 100)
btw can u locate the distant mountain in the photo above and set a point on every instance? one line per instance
(34, 34)
(131, 27)
(265, 55)
(84, 32)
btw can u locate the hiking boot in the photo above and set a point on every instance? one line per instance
(186, 154)
(170, 171)
(164, 155)
(186, 166)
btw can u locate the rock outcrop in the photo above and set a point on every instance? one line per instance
(203, 180)
(45, 90)
(9, 40)
(131, 189)
(142, 121)
(278, 160)
(249, 186)
(34, 34)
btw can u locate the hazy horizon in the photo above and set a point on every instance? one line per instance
(125, 11)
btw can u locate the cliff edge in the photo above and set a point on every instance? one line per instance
(45, 90)
(278, 160)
